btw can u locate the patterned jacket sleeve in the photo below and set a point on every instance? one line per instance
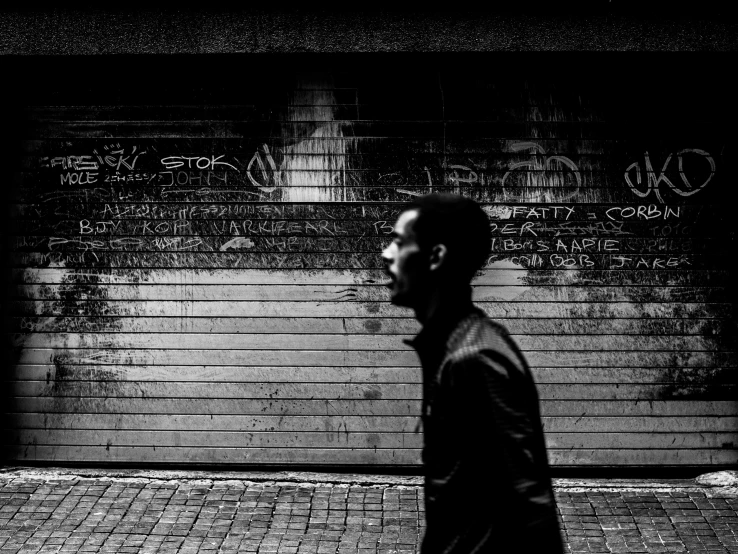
(497, 404)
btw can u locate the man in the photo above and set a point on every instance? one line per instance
(487, 484)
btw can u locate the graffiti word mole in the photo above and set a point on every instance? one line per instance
(82, 178)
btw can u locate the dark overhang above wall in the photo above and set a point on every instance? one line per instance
(532, 27)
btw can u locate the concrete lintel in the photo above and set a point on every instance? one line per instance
(307, 478)
(228, 31)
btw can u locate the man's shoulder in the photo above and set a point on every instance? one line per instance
(479, 338)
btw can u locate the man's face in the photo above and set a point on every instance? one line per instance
(406, 264)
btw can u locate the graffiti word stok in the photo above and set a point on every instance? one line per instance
(653, 180)
(195, 162)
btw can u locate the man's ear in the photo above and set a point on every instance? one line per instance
(438, 256)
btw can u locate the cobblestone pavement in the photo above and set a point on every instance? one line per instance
(67, 512)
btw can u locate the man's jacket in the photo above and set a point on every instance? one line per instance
(487, 483)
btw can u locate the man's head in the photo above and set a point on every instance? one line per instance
(441, 240)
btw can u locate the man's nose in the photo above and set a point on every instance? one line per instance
(387, 255)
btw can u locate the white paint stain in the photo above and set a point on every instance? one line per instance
(498, 212)
(314, 167)
(237, 243)
(507, 271)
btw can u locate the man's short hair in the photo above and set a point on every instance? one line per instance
(460, 224)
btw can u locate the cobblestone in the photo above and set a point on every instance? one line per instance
(69, 513)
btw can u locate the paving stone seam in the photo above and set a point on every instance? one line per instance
(654, 517)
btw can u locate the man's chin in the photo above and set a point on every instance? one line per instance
(401, 300)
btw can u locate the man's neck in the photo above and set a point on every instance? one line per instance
(443, 299)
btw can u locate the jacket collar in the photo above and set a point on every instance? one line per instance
(438, 329)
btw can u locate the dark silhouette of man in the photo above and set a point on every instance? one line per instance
(487, 483)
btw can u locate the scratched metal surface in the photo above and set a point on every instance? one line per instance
(193, 271)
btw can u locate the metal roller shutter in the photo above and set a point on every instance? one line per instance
(194, 270)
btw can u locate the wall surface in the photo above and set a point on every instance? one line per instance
(193, 253)
(605, 25)
(194, 210)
